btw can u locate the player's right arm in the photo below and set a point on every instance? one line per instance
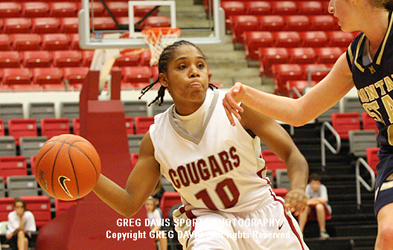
(296, 112)
(140, 184)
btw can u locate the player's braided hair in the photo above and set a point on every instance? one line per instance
(165, 57)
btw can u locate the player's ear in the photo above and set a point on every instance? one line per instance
(163, 79)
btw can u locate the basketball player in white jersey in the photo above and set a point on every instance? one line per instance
(227, 200)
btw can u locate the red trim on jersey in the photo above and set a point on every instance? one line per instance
(288, 219)
(259, 173)
(191, 230)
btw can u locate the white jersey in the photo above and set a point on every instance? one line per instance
(221, 169)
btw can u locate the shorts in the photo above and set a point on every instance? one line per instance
(313, 213)
(384, 181)
(268, 227)
(13, 242)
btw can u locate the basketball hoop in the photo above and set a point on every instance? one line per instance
(158, 38)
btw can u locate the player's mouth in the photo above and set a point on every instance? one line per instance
(195, 85)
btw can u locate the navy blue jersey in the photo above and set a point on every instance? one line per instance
(374, 82)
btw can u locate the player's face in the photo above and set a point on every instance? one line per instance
(149, 205)
(19, 208)
(315, 185)
(186, 79)
(344, 11)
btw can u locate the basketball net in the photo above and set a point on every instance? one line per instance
(158, 39)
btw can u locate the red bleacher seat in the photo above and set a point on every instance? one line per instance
(255, 39)
(271, 23)
(10, 59)
(118, 8)
(129, 125)
(285, 72)
(61, 206)
(76, 126)
(316, 70)
(339, 38)
(87, 56)
(69, 25)
(35, 9)
(44, 25)
(10, 9)
(302, 55)
(343, 122)
(269, 56)
(372, 158)
(368, 122)
(142, 10)
(2, 130)
(6, 206)
(40, 206)
(310, 8)
(25, 41)
(55, 41)
(97, 7)
(272, 161)
(17, 25)
(63, 9)
(66, 58)
(136, 74)
(134, 159)
(54, 126)
(242, 23)
(258, 7)
(157, 21)
(287, 39)
(22, 127)
(168, 200)
(48, 77)
(280, 192)
(75, 76)
(284, 7)
(145, 58)
(35, 59)
(74, 41)
(323, 22)
(20, 76)
(232, 8)
(299, 85)
(128, 60)
(328, 55)
(313, 38)
(103, 23)
(32, 164)
(12, 165)
(142, 124)
(5, 43)
(297, 22)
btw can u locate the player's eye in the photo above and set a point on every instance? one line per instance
(181, 66)
(201, 65)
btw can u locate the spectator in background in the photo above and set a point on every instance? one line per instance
(21, 223)
(318, 206)
(155, 219)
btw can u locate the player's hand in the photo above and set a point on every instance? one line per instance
(296, 201)
(231, 102)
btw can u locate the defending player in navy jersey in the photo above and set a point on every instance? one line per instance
(217, 168)
(367, 65)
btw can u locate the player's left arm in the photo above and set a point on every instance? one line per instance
(280, 142)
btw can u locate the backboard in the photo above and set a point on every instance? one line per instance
(106, 24)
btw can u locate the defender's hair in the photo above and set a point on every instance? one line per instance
(165, 57)
(314, 177)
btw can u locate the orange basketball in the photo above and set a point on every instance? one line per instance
(67, 167)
